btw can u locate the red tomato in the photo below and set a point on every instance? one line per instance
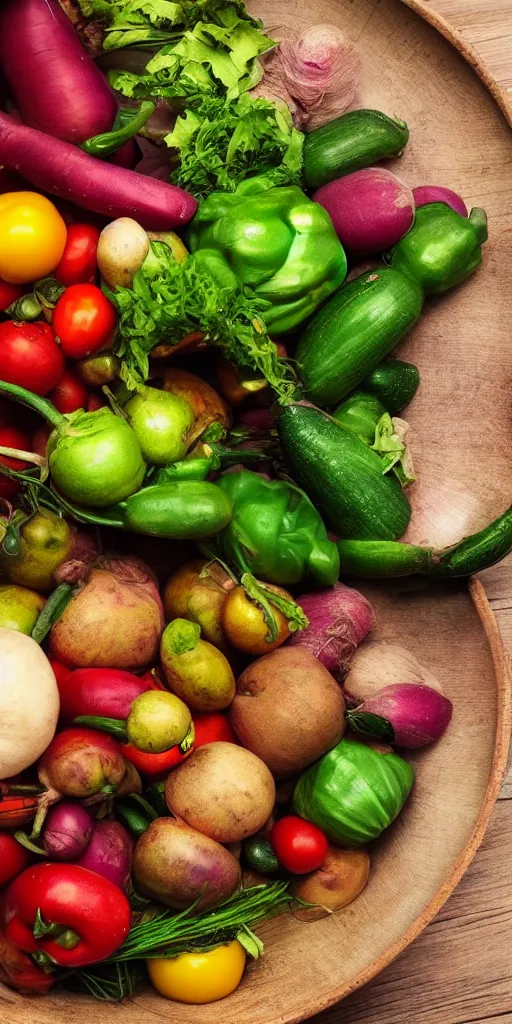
(211, 726)
(298, 845)
(70, 394)
(9, 293)
(95, 402)
(13, 858)
(12, 437)
(30, 356)
(153, 764)
(78, 264)
(83, 320)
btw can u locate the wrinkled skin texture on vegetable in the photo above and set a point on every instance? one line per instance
(279, 243)
(275, 533)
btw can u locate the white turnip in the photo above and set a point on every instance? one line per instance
(29, 702)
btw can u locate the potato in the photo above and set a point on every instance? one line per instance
(288, 710)
(122, 248)
(342, 876)
(175, 864)
(222, 790)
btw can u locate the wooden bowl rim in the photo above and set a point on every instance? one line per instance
(467, 51)
(502, 672)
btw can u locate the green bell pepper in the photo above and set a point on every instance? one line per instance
(275, 532)
(353, 792)
(279, 243)
(442, 248)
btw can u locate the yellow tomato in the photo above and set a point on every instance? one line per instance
(199, 977)
(32, 237)
(19, 608)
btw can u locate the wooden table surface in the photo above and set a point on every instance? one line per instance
(460, 970)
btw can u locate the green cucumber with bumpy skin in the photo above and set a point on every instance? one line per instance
(349, 143)
(341, 475)
(394, 382)
(388, 560)
(354, 331)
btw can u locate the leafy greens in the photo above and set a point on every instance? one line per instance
(136, 22)
(169, 300)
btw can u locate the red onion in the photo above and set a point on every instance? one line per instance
(339, 619)
(407, 714)
(425, 194)
(109, 853)
(371, 209)
(67, 831)
(259, 418)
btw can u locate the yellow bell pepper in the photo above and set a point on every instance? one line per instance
(32, 237)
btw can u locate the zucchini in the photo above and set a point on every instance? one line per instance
(349, 143)
(394, 382)
(350, 335)
(342, 476)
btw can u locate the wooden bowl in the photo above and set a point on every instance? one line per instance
(461, 424)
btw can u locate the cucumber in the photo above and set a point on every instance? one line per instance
(394, 382)
(342, 476)
(352, 333)
(182, 510)
(260, 855)
(349, 143)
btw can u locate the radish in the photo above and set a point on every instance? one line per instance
(29, 702)
(65, 171)
(55, 84)
(408, 714)
(371, 209)
(339, 619)
(425, 194)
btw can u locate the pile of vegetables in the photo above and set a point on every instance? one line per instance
(200, 432)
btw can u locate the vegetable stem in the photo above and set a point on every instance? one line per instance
(35, 402)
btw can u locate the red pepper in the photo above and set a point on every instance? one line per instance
(16, 811)
(65, 915)
(13, 858)
(20, 972)
(108, 692)
(154, 764)
(211, 726)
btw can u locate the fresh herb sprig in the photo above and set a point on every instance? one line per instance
(169, 300)
(167, 934)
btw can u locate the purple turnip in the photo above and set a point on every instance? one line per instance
(407, 714)
(425, 194)
(339, 620)
(371, 210)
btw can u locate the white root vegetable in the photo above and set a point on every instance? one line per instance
(122, 248)
(29, 702)
(379, 664)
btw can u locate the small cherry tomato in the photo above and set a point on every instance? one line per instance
(32, 237)
(13, 858)
(199, 977)
(78, 264)
(70, 393)
(9, 293)
(12, 437)
(153, 764)
(298, 845)
(211, 726)
(83, 320)
(30, 356)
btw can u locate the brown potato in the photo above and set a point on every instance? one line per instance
(342, 876)
(222, 790)
(288, 710)
(175, 864)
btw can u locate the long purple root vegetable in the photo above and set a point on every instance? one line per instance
(54, 83)
(65, 171)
